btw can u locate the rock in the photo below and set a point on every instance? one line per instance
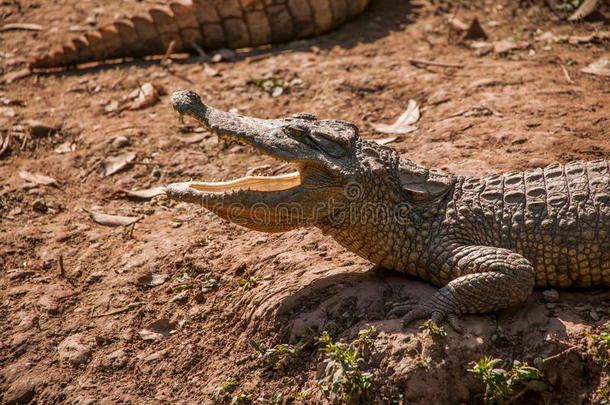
(49, 304)
(161, 354)
(71, 349)
(120, 141)
(550, 295)
(39, 129)
(40, 206)
(117, 359)
(22, 390)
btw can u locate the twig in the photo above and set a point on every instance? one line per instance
(4, 144)
(199, 50)
(416, 62)
(170, 50)
(60, 264)
(131, 230)
(62, 270)
(566, 74)
(120, 310)
(569, 349)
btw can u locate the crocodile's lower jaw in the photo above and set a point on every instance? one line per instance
(253, 183)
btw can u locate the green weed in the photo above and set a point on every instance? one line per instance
(223, 394)
(433, 329)
(500, 384)
(347, 382)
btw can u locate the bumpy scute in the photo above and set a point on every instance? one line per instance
(209, 24)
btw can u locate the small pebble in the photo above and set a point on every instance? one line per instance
(120, 141)
(594, 315)
(40, 206)
(550, 295)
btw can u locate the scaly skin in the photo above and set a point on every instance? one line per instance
(209, 24)
(485, 241)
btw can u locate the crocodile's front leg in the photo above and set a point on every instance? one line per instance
(483, 279)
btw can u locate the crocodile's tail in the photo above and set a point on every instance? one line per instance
(209, 24)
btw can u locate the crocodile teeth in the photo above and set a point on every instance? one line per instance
(254, 183)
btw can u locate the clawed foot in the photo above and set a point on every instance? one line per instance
(411, 310)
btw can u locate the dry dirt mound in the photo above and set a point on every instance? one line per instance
(183, 307)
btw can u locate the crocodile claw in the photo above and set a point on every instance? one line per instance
(410, 312)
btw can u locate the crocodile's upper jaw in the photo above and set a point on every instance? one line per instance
(319, 151)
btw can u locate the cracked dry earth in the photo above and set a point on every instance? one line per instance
(169, 310)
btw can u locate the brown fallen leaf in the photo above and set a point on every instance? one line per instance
(7, 112)
(600, 68)
(145, 194)
(114, 164)
(10, 101)
(4, 143)
(148, 95)
(112, 220)
(193, 139)
(158, 330)
(598, 36)
(457, 24)
(21, 26)
(37, 178)
(65, 147)
(10, 77)
(385, 141)
(507, 45)
(403, 124)
(151, 280)
(475, 31)
(210, 71)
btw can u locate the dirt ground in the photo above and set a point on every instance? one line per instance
(169, 310)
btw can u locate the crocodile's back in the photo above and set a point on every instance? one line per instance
(558, 217)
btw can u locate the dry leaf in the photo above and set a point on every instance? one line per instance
(145, 194)
(37, 178)
(7, 112)
(10, 77)
(193, 139)
(148, 95)
(507, 45)
(458, 24)
(21, 26)
(4, 143)
(403, 123)
(65, 147)
(158, 330)
(151, 280)
(600, 67)
(210, 71)
(385, 141)
(475, 31)
(112, 220)
(113, 164)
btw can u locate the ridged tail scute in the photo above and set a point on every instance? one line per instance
(209, 24)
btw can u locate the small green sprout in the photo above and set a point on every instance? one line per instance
(347, 381)
(500, 384)
(433, 329)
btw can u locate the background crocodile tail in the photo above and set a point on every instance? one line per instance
(210, 24)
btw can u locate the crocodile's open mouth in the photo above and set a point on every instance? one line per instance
(269, 203)
(252, 183)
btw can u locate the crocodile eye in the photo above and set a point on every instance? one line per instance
(296, 131)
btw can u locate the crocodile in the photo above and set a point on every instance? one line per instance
(486, 242)
(194, 25)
